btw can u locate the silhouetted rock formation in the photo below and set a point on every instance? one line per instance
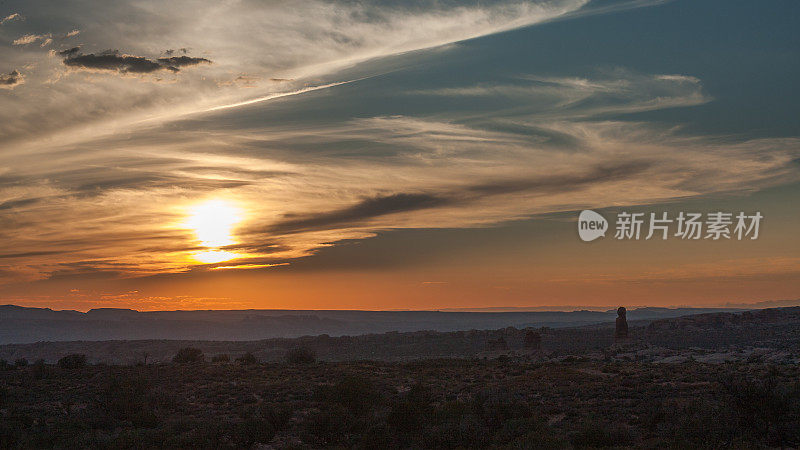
(533, 340)
(621, 332)
(498, 344)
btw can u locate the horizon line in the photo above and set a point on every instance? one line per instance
(489, 309)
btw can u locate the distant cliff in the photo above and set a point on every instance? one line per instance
(25, 325)
(734, 335)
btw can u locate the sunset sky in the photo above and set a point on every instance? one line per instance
(392, 154)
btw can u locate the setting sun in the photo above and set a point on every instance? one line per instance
(212, 222)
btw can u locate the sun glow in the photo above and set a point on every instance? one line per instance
(213, 222)
(215, 256)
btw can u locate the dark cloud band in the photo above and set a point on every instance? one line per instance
(11, 79)
(363, 210)
(115, 61)
(182, 61)
(373, 207)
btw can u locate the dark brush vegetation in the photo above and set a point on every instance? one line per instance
(247, 358)
(301, 355)
(446, 403)
(221, 358)
(188, 355)
(73, 361)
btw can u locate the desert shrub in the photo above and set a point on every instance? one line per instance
(344, 413)
(263, 418)
(594, 434)
(528, 433)
(330, 427)
(697, 424)
(413, 410)
(495, 408)
(377, 435)
(128, 397)
(13, 430)
(39, 370)
(457, 428)
(218, 433)
(221, 358)
(73, 361)
(62, 432)
(768, 411)
(355, 393)
(253, 430)
(4, 395)
(301, 355)
(188, 355)
(247, 359)
(21, 362)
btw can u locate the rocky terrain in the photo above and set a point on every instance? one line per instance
(503, 402)
(720, 380)
(769, 334)
(20, 325)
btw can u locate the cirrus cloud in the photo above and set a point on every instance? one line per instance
(10, 17)
(30, 39)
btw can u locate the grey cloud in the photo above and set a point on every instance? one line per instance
(70, 52)
(154, 181)
(363, 210)
(12, 204)
(261, 248)
(561, 183)
(182, 61)
(29, 254)
(236, 172)
(114, 61)
(373, 207)
(11, 80)
(97, 181)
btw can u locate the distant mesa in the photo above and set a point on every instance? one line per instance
(22, 325)
(112, 313)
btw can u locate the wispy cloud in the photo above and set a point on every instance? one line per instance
(10, 17)
(567, 97)
(29, 39)
(307, 44)
(281, 95)
(121, 160)
(303, 189)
